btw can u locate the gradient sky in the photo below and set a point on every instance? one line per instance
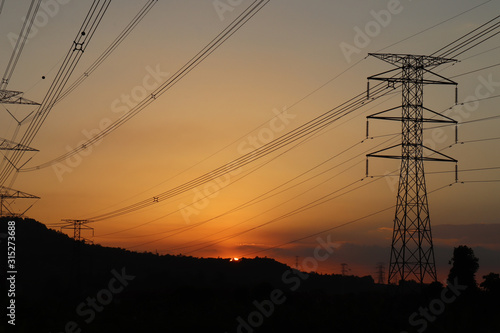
(280, 60)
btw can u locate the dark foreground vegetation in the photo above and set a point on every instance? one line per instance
(62, 286)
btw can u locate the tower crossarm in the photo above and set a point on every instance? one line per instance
(9, 193)
(14, 97)
(11, 145)
(400, 59)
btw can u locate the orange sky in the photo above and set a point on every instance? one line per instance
(229, 104)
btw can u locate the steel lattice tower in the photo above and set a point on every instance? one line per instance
(380, 273)
(77, 226)
(412, 251)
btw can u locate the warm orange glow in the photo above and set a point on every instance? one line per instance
(244, 96)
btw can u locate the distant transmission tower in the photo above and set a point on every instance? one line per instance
(344, 269)
(412, 251)
(77, 226)
(76, 262)
(380, 273)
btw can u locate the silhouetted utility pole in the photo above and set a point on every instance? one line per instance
(412, 252)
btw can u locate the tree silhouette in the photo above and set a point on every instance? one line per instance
(491, 283)
(465, 266)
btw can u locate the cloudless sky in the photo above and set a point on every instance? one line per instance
(280, 61)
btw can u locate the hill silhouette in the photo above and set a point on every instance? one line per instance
(66, 286)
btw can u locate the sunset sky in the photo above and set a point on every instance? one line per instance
(280, 70)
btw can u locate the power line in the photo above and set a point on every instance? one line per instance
(98, 137)
(186, 228)
(261, 197)
(320, 201)
(210, 243)
(84, 35)
(481, 53)
(441, 172)
(256, 200)
(267, 195)
(18, 48)
(249, 229)
(481, 181)
(109, 50)
(306, 207)
(310, 127)
(225, 238)
(478, 140)
(252, 202)
(446, 125)
(290, 137)
(21, 41)
(460, 42)
(474, 71)
(220, 39)
(318, 123)
(482, 119)
(240, 138)
(333, 228)
(308, 95)
(433, 26)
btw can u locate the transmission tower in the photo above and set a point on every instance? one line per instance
(380, 273)
(16, 97)
(344, 269)
(76, 262)
(77, 226)
(412, 251)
